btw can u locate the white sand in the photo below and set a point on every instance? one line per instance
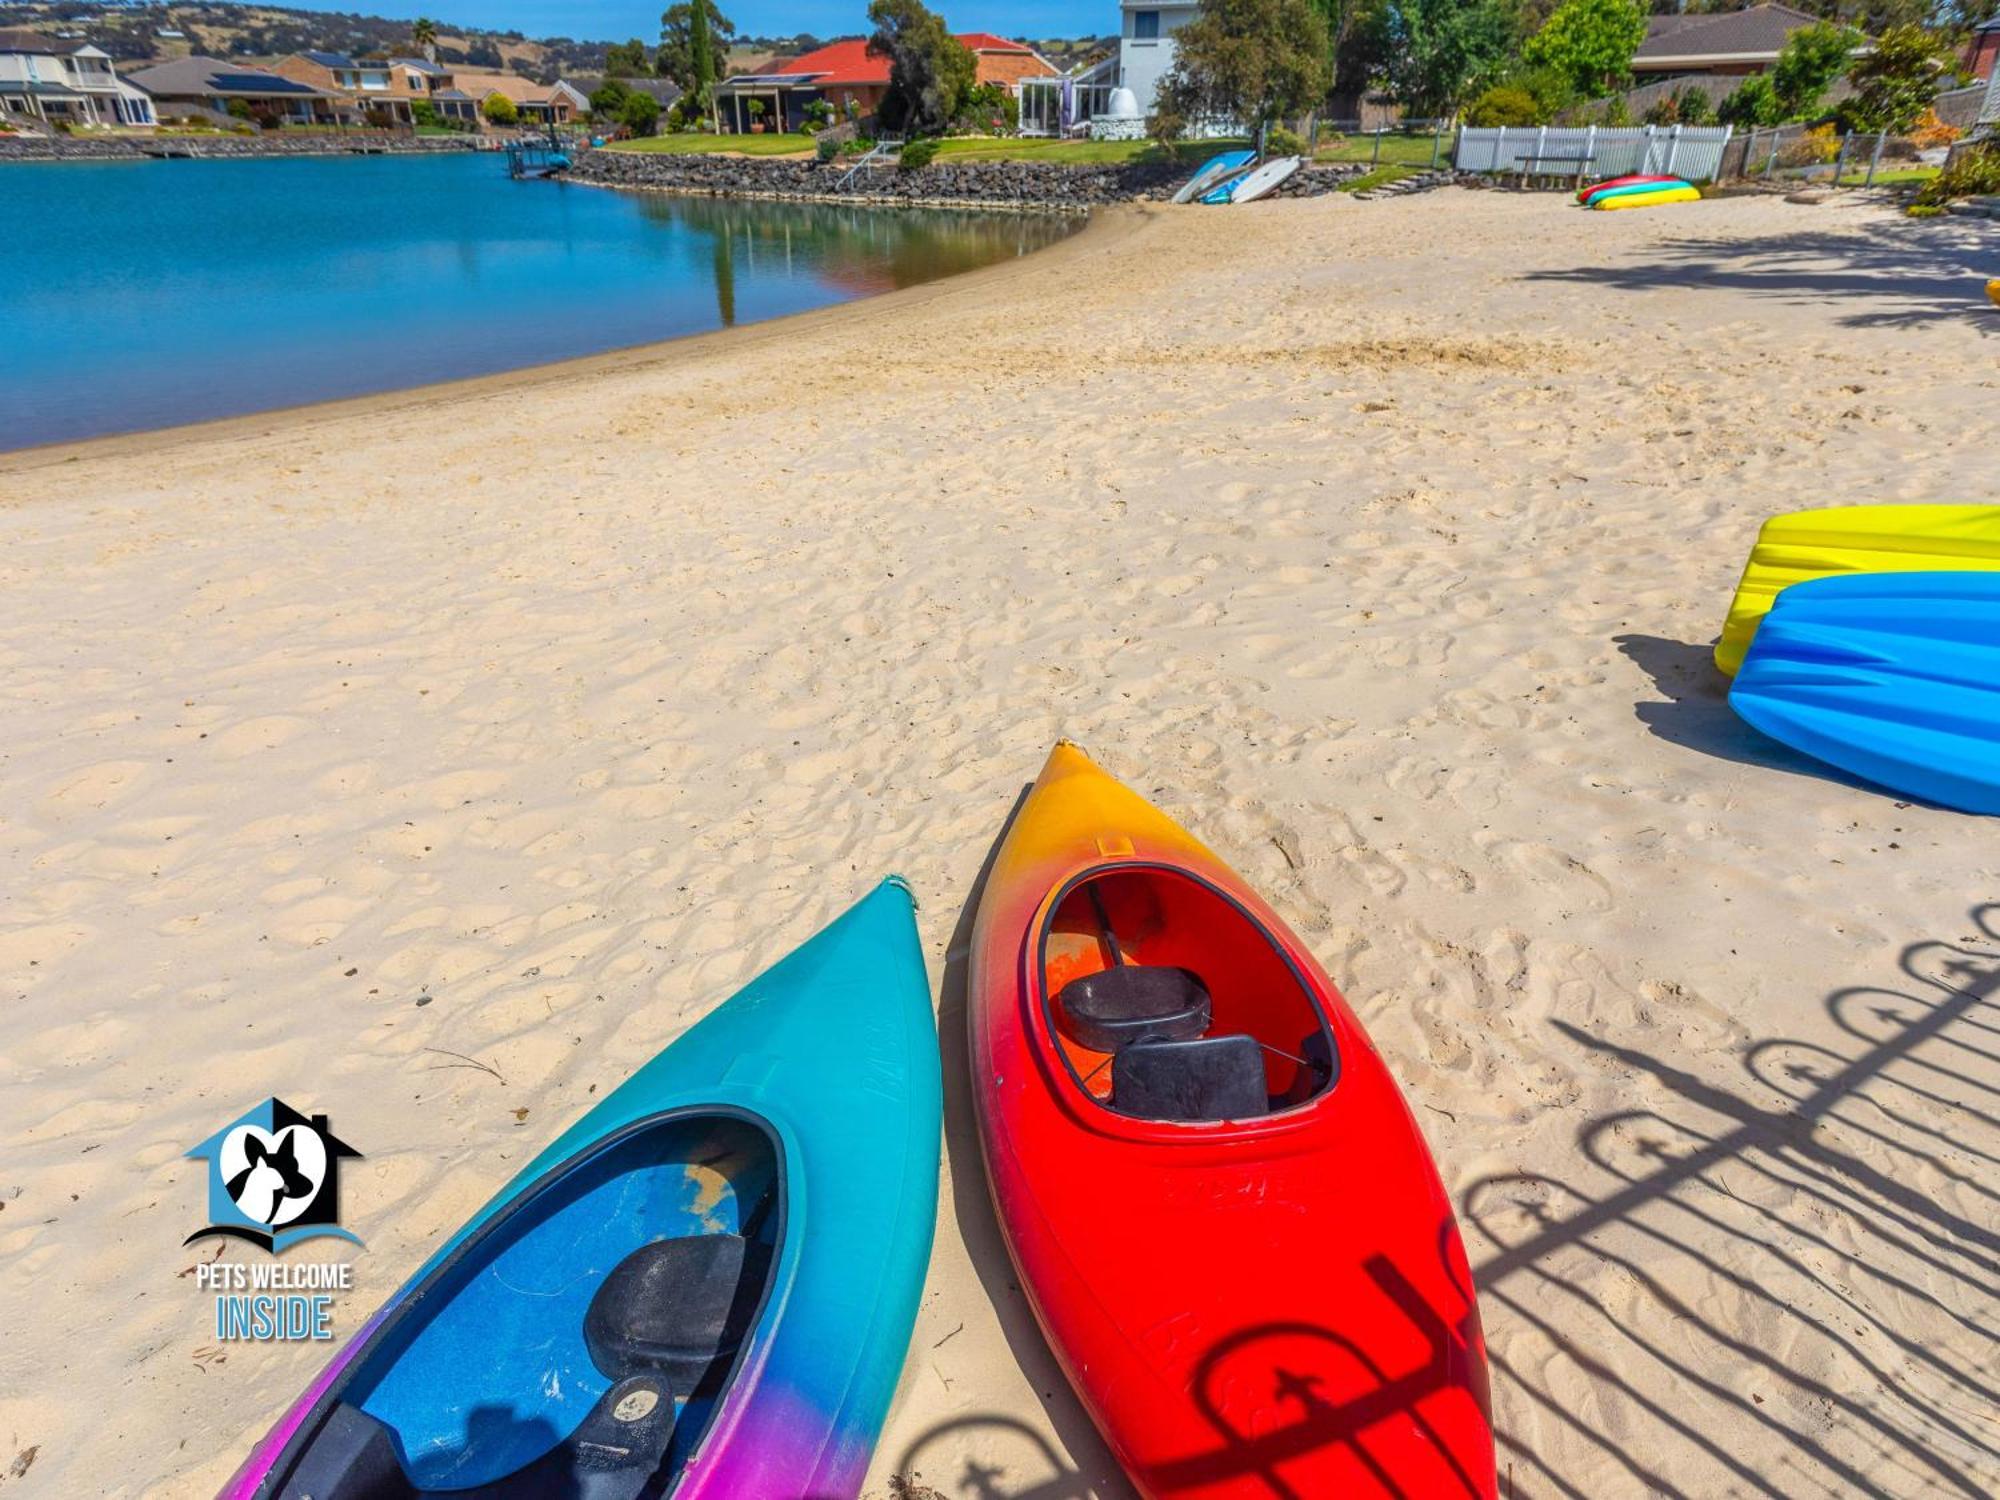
(1382, 543)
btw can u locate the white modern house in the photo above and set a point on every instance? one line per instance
(47, 80)
(1084, 102)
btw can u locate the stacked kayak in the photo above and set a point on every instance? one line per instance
(1219, 1204)
(1894, 677)
(705, 1287)
(1854, 539)
(1644, 191)
(1214, 173)
(1255, 183)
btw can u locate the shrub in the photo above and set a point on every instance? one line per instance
(500, 111)
(917, 154)
(1811, 59)
(826, 148)
(1504, 104)
(1814, 148)
(1972, 173)
(1929, 132)
(1754, 103)
(1278, 141)
(1684, 106)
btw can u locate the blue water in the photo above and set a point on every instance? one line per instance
(142, 294)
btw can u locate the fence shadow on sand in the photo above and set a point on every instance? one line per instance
(1784, 1285)
(1903, 276)
(1745, 1298)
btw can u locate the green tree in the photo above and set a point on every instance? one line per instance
(626, 60)
(1811, 59)
(1897, 81)
(1589, 42)
(930, 71)
(499, 110)
(1435, 52)
(607, 99)
(424, 37)
(694, 37)
(1255, 61)
(640, 113)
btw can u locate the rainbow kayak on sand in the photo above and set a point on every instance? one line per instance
(705, 1286)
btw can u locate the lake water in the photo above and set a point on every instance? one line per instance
(141, 294)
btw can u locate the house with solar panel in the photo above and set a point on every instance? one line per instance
(206, 87)
(853, 80)
(47, 80)
(365, 87)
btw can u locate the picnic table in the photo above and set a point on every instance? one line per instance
(1575, 164)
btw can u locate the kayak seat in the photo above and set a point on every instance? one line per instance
(1209, 1078)
(612, 1455)
(676, 1307)
(1116, 1007)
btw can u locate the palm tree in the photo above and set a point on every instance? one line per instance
(425, 34)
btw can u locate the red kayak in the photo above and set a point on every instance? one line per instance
(1584, 195)
(1220, 1207)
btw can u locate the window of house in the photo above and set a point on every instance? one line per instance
(1145, 25)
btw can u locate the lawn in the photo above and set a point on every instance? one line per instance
(1397, 150)
(1887, 176)
(771, 144)
(1381, 177)
(1074, 153)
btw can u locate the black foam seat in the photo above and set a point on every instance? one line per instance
(1209, 1078)
(1110, 1010)
(675, 1306)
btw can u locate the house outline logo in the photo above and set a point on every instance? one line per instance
(274, 1179)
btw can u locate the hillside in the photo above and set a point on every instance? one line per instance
(137, 33)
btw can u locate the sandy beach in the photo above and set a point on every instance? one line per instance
(435, 759)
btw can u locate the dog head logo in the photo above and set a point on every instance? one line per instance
(274, 1178)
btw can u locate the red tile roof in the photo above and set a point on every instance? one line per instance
(850, 62)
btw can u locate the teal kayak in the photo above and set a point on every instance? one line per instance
(704, 1288)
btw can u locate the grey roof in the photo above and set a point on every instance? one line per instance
(418, 65)
(196, 77)
(1759, 31)
(663, 90)
(329, 59)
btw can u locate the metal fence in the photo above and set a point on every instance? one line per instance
(1691, 151)
(1804, 153)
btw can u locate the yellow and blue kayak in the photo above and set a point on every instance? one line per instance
(705, 1286)
(1894, 677)
(1854, 539)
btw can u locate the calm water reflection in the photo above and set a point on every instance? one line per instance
(143, 294)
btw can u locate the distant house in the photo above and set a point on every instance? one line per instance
(1983, 50)
(539, 103)
(1144, 57)
(1728, 43)
(365, 87)
(853, 80)
(663, 91)
(49, 80)
(196, 85)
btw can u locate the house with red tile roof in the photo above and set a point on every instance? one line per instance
(853, 80)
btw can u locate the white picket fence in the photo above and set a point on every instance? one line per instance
(1690, 151)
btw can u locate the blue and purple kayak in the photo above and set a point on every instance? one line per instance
(704, 1289)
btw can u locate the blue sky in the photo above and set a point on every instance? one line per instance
(614, 20)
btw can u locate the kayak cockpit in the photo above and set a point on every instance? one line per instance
(603, 1313)
(1168, 1001)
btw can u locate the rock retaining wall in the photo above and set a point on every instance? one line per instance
(127, 148)
(1048, 186)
